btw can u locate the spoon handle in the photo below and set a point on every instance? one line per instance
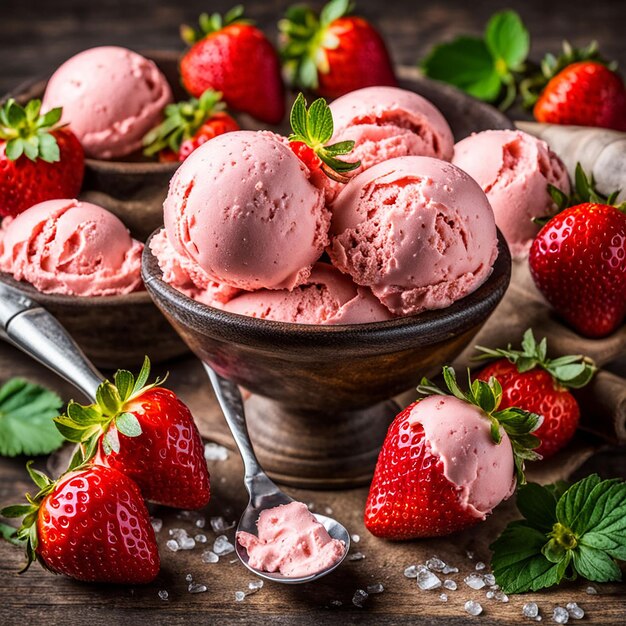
(229, 397)
(39, 334)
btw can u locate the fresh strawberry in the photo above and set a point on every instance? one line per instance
(312, 129)
(535, 383)
(577, 88)
(578, 260)
(147, 433)
(333, 53)
(91, 524)
(232, 56)
(187, 126)
(413, 493)
(39, 159)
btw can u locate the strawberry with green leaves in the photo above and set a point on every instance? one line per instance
(91, 524)
(187, 126)
(39, 158)
(448, 460)
(145, 432)
(578, 259)
(535, 383)
(234, 57)
(566, 533)
(334, 52)
(312, 129)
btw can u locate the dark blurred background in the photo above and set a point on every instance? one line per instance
(37, 35)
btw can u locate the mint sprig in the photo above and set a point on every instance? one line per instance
(573, 371)
(579, 532)
(27, 132)
(314, 127)
(517, 423)
(26, 412)
(485, 67)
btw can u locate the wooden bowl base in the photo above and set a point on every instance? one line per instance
(318, 450)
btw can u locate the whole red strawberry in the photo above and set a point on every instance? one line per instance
(447, 461)
(333, 53)
(187, 126)
(39, 160)
(234, 57)
(540, 385)
(578, 262)
(91, 524)
(147, 433)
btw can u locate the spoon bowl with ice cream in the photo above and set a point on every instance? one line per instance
(277, 537)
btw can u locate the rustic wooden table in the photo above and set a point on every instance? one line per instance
(34, 39)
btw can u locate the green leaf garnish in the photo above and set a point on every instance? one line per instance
(26, 412)
(484, 67)
(581, 532)
(28, 133)
(517, 424)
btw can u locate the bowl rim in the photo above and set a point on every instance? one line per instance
(424, 329)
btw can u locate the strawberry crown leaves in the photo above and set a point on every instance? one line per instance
(27, 532)
(314, 127)
(573, 371)
(182, 122)
(27, 132)
(306, 37)
(551, 65)
(517, 424)
(212, 24)
(107, 416)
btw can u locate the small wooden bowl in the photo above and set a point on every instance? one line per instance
(320, 403)
(113, 331)
(134, 188)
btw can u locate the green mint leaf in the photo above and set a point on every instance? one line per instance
(26, 412)
(128, 425)
(595, 565)
(125, 382)
(571, 509)
(518, 563)
(538, 505)
(49, 148)
(507, 40)
(554, 551)
(467, 64)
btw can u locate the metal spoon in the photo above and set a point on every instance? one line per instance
(264, 494)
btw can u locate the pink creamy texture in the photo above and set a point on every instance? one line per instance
(328, 297)
(182, 273)
(111, 97)
(418, 231)
(459, 434)
(291, 541)
(242, 208)
(73, 248)
(514, 169)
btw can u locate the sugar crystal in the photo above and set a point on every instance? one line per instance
(222, 546)
(196, 588)
(157, 524)
(450, 584)
(475, 581)
(172, 545)
(560, 615)
(359, 597)
(215, 452)
(530, 609)
(376, 588)
(473, 608)
(163, 594)
(426, 580)
(239, 596)
(208, 556)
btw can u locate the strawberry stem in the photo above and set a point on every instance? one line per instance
(213, 23)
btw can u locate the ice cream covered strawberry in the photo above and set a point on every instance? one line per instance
(448, 461)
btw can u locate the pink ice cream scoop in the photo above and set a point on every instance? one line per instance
(328, 297)
(514, 169)
(418, 231)
(111, 97)
(188, 277)
(459, 434)
(291, 541)
(72, 248)
(242, 208)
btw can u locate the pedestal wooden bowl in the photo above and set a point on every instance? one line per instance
(320, 403)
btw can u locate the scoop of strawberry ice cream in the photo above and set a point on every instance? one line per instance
(242, 208)
(188, 277)
(514, 169)
(459, 433)
(418, 231)
(72, 248)
(327, 297)
(291, 541)
(111, 97)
